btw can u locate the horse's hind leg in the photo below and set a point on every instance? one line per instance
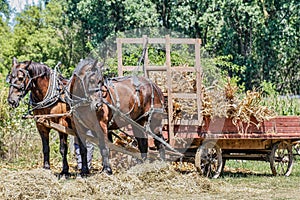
(156, 128)
(64, 151)
(142, 139)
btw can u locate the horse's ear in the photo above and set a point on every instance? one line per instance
(28, 64)
(94, 66)
(15, 61)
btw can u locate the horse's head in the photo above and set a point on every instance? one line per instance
(19, 80)
(87, 78)
(26, 76)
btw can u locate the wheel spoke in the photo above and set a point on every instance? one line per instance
(208, 160)
(281, 159)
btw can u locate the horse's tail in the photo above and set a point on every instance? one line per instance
(160, 94)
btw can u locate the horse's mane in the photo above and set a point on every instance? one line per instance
(83, 63)
(36, 69)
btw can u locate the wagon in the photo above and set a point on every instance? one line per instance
(210, 142)
(207, 142)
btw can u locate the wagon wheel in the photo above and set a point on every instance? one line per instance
(208, 160)
(296, 149)
(281, 159)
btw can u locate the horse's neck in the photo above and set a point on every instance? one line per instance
(39, 88)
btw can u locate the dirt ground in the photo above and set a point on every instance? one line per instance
(157, 180)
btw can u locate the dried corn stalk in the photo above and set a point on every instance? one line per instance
(250, 108)
(217, 101)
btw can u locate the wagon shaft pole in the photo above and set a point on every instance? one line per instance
(129, 151)
(141, 128)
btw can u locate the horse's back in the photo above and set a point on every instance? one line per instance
(137, 84)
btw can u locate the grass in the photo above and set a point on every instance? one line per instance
(254, 180)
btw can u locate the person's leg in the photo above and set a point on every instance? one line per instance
(90, 151)
(77, 153)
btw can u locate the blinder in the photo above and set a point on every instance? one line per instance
(96, 87)
(8, 78)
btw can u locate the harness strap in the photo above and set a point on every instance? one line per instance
(52, 94)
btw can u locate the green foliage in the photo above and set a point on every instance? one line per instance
(251, 40)
(14, 132)
(4, 9)
(282, 105)
(5, 46)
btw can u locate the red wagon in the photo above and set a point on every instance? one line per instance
(210, 142)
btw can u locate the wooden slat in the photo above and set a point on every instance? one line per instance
(120, 62)
(184, 69)
(183, 41)
(158, 40)
(184, 95)
(198, 80)
(169, 89)
(148, 68)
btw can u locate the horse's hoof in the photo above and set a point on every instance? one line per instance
(83, 175)
(67, 175)
(46, 166)
(107, 170)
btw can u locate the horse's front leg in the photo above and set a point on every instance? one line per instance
(44, 133)
(64, 151)
(84, 163)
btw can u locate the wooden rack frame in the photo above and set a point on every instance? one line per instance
(167, 41)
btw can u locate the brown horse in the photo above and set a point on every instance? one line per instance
(45, 98)
(94, 97)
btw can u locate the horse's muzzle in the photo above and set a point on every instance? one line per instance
(13, 103)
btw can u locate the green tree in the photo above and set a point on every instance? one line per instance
(254, 40)
(5, 9)
(99, 19)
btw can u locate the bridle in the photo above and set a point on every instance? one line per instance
(85, 82)
(23, 86)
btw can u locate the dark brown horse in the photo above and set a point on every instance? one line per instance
(136, 97)
(45, 98)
